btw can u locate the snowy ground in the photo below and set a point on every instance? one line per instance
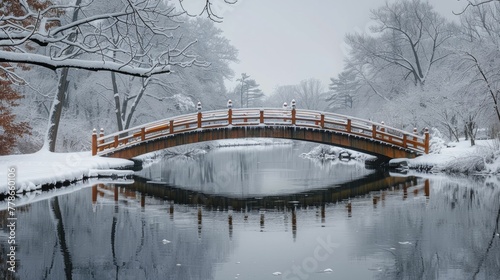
(34, 170)
(460, 157)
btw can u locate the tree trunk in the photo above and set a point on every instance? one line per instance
(131, 112)
(56, 112)
(57, 105)
(470, 126)
(118, 113)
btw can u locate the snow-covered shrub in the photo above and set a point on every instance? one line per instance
(436, 142)
(492, 162)
(484, 160)
(465, 165)
(185, 152)
(332, 152)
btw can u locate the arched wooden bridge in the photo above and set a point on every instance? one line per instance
(321, 127)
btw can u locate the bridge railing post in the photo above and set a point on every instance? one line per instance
(426, 143)
(293, 111)
(94, 142)
(349, 125)
(374, 131)
(261, 116)
(101, 135)
(143, 133)
(199, 114)
(415, 132)
(171, 126)
(322, 121)
(405, 144)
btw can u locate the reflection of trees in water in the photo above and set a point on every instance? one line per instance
(61, 237)
(453, 235)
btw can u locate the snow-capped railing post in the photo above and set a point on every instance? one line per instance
(285, 106)
(426, 144)
(415, 131)
(94, 142)
(374, 131)
(229, 112)
(261, 116)
(322, 121)
(382, 129)
(293, 111)
(101, 136)
(198, 106)
(348, 126)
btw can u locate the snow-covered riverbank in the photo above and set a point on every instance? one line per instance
(461, 157)
(32, 171)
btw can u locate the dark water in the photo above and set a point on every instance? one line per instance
(246, 213)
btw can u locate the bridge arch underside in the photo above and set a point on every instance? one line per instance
(383, 151)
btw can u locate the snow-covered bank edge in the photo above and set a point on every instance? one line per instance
(39, 195)
(457, 158)
(43, 170)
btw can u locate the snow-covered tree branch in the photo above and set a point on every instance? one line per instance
(197, 8)
(105, 37)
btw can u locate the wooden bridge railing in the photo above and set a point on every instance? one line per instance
(102, 144)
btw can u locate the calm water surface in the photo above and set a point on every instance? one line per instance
(249, 212)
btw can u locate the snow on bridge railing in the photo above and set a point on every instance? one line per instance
(103, 144)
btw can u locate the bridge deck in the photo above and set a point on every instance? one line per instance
(310, 122)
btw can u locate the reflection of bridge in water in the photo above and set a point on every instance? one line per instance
(373, 187)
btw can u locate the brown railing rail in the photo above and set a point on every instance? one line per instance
(107, 144)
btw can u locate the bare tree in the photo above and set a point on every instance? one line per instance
(114, 38)
(410, 35)
(479, 53)
(310, 94)
(280, 95)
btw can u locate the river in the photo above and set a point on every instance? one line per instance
(261, 212)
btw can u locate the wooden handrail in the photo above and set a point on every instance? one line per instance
(102, 144)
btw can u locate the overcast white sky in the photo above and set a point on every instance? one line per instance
(282, 42)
